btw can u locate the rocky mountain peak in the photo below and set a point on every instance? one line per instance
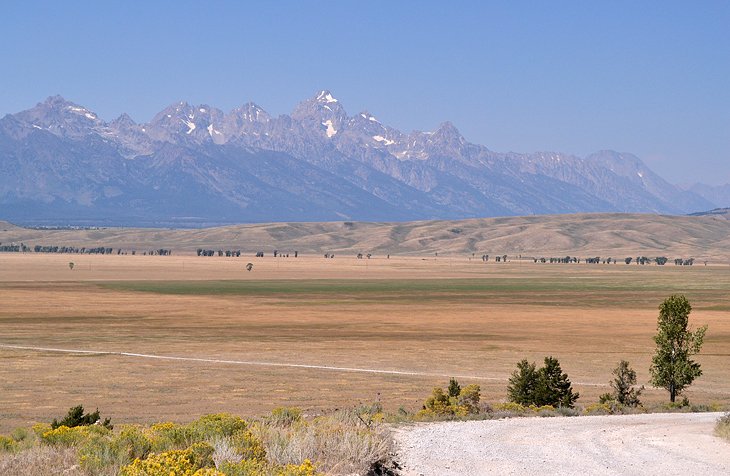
(317, 163)
(322, 113)
(60, 117)
(448, 133)
(123, 121)
(250, 112)
(325, 97)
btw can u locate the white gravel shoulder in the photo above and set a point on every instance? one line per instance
(659, 443)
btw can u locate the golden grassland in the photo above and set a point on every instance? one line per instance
(617, 235)
(436, 317)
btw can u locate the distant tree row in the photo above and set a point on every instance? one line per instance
(160, 252)
(228, 253)
(238, 253)
(14, 248)
(99, 250)
(641, 260)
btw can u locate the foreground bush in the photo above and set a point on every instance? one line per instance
(283, 444)
(345, 442)
(455, 401)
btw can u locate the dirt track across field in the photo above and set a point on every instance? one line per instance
(665, 444)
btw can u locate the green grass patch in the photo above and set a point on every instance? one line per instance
(541, 290)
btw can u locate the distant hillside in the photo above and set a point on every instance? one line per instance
(719, 194)
(717, 212)
(615, 235)
(197, 166)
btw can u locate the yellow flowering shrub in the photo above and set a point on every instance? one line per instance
(167, 436)
(440, 402)
(208, 472)
(248, 445)
(65, 436)
(255, 467)
(7, 443)
(304, 469)
(40, 428)
(169, 463)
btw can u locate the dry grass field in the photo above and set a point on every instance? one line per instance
(589, 234)
(429, 318)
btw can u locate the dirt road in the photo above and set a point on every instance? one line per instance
(665, 444)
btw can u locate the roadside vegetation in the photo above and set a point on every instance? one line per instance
(282, 443)
(722, 429)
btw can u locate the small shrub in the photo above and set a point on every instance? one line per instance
(133, 442)
(7, 444)
(722, 429)
(261, 468)
(567, 412)
(441, 403)
(21, 435)
(248, 445)
(100, 456)
(285, 416)
(175, 462)
(41, 460)
(598, 409)
(623, 383)
(68, 437)
(339, 444)
(511, 407)
(224, 452)
(40, 428)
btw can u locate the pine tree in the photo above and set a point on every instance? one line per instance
(454, 388)
(545, 386)
(623, 383)
(523, 384)
(554, 387)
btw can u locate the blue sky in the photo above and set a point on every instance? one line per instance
(651, 78)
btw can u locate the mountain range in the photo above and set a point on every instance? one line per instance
(199, 166)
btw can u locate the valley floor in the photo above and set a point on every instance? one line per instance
(321, 334)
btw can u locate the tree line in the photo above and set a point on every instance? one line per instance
(640, 260)
(97, 250)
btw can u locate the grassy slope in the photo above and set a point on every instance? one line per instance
(617, 235)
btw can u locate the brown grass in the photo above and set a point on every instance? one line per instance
(468, 319)
(590, 234)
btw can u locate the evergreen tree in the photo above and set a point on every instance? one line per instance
(545, 386)
(454, 388)
(554, 387)
(623, 383)
(523, 384)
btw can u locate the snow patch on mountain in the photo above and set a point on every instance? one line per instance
(331, 131)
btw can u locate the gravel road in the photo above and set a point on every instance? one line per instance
(662, 444)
